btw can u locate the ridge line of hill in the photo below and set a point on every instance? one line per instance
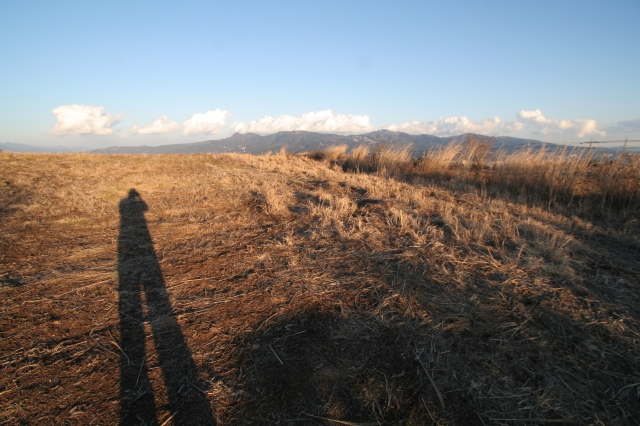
(303, 141)
(295, 141)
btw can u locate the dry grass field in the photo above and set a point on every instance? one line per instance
(338, 288)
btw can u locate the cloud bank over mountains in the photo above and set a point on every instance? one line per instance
(321, 121)
(447, 126)
(93, 120)
(538, 122)
(531, 121)
(208, 123)
(161, 125)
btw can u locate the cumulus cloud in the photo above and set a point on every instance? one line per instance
(447, 126)
(161, 125)
(83, 120)
(511, 127)
(532, 121)
(321, 121)
(209, 122)
(535, 121)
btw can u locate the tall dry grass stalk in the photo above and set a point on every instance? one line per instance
(619, 180)
(358, 158)
(392, 160)
(542, 175)
(567, 176)
(331, 153)
(572, 177)
(438, 161)
(476, 152)
(334, 152)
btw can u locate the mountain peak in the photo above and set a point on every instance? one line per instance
(244, 136)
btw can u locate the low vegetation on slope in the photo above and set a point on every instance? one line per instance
(355, 288)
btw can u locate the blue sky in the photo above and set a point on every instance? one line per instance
(96, 74)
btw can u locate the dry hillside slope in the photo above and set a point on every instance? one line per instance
(238, 289)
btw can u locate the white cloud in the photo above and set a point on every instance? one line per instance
(321, 121)
(531, 121)
(209, 122)
(535, 121)
(447, 126)
(511, 127)
(161, 125)
(83, 120)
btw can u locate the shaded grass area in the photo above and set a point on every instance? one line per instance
(306, 294)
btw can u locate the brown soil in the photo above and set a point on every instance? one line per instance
(278, 290)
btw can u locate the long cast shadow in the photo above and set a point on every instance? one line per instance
(140, 275)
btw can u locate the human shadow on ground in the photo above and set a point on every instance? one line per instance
(140, 278)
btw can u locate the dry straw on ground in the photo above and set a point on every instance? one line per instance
(436, 291)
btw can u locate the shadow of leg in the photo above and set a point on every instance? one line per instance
(185, 389)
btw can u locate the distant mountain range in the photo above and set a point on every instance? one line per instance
(300, 141)
(20, 147)
(295, 141)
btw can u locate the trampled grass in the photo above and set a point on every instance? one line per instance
(367, 287)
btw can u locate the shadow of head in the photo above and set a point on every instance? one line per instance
(134, 195)
(133, 203)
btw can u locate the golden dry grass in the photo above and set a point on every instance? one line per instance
(358, 158)
(582, 181)
(308, 293)
(333, 153)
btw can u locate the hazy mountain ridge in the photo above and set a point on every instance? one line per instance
(21, 147)
(297, 142)
(301, 141)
